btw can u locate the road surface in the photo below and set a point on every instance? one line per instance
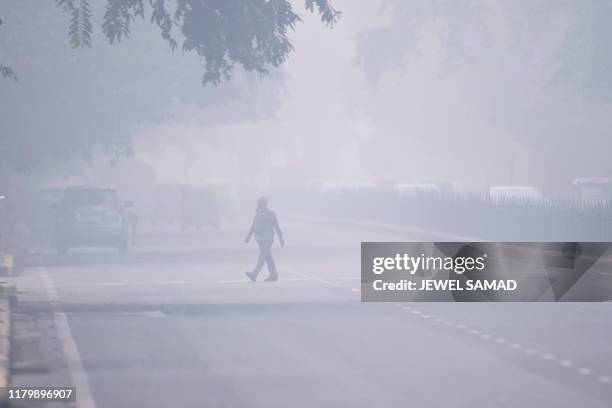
(190, 330)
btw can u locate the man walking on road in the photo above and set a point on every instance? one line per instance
(265, 225)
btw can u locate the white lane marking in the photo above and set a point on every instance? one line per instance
(156, 314)
(247, 281)
(169, 283)
(605, 379)
(355, 290)
(603, 273)
(500, 340)
(75, 365)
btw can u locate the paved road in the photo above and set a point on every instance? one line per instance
(192, 332)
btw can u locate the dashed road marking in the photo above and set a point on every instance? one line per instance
(604, 379)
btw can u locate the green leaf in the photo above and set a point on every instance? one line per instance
(80, 28)
(7, 72)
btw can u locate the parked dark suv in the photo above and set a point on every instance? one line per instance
(91, 216)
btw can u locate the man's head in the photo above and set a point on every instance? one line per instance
(262, 202)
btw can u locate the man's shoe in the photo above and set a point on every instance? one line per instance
(271, 279)
(251, 276)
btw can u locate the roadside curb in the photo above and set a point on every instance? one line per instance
(6, 292)
(394, 229)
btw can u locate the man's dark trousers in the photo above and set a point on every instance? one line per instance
(265, 256)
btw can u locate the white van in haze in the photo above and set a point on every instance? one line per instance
(515, 192)
(408, 189)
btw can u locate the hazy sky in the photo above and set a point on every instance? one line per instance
(314, 134)
(491, 119)
(349, 104)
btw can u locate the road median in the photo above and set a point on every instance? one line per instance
(415, 233)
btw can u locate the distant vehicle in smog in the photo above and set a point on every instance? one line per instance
(408, 189)
(515, 192)
(91, 216)
(205, 204)
(592, 189)
(352, 187)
